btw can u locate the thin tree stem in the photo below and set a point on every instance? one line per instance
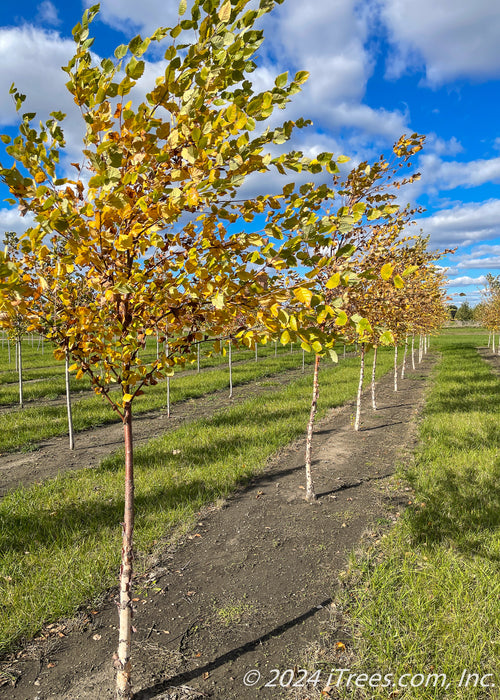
(20, 372)
(360, 388)
(403, 368)
(310, 494)
(374, 370)
(122, 660)
(230, 369)
(395, 368)
(68, 403)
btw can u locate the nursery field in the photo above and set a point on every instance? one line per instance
(393, 570)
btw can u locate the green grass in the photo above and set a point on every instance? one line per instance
(427, 598)
(54, 386)
(60, 541)
(22, 429)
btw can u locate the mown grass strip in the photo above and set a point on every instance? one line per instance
(60, 541)
(22, 429)
(427, 599)
(54, 386)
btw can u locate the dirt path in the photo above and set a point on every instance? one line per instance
(248, 588)
(91, 446)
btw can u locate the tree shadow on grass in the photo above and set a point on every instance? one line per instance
(462, 509)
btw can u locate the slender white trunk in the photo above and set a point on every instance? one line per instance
(303, 360)
(275, 348)
(68, 403)
(395, 368)
(198, 359)
(489, 339)
(8, 348)
(403, 368)
(167, 352)
(122, 660)
(374, 371)
(420, 348)
(230, 369)
(291, 348)
(413, 351)
(360, 388)
(310, 494)
(344, 350)
(42, 343)
(20, 372)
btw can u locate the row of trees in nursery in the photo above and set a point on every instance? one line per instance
(488, 311)
(152, 236)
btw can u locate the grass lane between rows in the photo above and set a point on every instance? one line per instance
(24, 429)
(60, 541)
(425, 600)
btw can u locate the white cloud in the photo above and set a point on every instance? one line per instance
(130, 16)
(438, 174)
(451, 38)
(467, 281)
(47, 14)
(464, 224)
(10, 220)
(32, 59)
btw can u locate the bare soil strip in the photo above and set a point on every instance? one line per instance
(250, 586)
(91, 446)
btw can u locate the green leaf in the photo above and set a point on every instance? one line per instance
(285, 338)
(398, 282)
(334, 281)
(304, 295)
(301, 76)
(182, 7)
(333, 355)
(409, 270)
(281, 80)
(386, 271)
(121, 51)
(341, 319)
(134, 68)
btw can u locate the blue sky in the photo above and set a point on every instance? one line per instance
(379, 68)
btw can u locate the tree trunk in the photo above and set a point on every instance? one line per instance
(395, 368)
(413, 351)
(493, 343)
(20, 372)
(303, 360)
(344, 351)
(8, 348)
(403, 368)
(122, 658)
(198, 360)
(291, 348)
(310, 495)
(275, 348)
(374, 370)
(167, 349)
(360, 388)
(256, 352)
(230, 369)
(489, 339)
(68, 403)
(420, 348)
